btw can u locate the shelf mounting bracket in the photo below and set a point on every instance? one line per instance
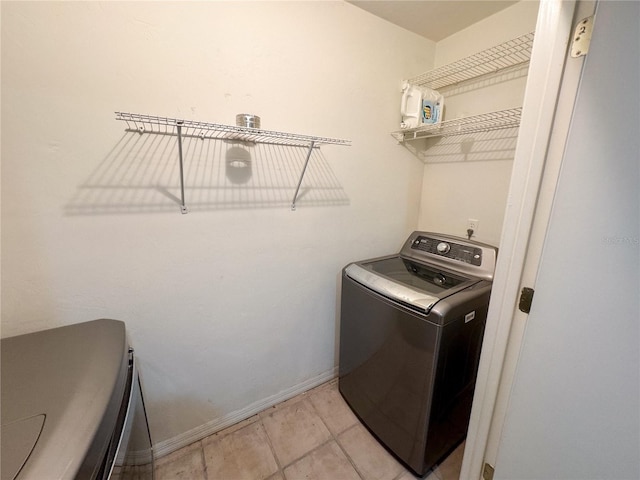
(183, 207)
(304, 169)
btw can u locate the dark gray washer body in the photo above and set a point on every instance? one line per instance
(409, 375)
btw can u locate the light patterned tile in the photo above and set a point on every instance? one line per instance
(277, 476)
(295, 430)
(325, 463)
(433, 475)
(143, 472)
(282, 405)
(333, 409)
(408, 475)
(183, 464)
(243, 455)
(449, 469)
(236, 426)
(371, 459)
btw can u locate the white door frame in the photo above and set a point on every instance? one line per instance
(520, 245)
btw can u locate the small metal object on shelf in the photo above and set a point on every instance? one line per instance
(247, 120)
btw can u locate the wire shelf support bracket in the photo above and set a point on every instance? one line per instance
(214, 131)
(183, 207)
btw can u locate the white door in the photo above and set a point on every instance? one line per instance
(574, 409)
(548, 104)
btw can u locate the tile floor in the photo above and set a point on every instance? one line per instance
(313, 436)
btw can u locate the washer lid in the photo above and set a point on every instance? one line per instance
(415, 284)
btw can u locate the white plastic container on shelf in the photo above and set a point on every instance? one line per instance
(420, 106)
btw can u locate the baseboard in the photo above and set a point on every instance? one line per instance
(170, 445)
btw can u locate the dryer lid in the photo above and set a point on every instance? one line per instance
(74, 376)
(18, 441)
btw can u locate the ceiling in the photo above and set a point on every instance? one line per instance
(433, 19)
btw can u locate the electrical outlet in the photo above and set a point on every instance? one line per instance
(473, 224)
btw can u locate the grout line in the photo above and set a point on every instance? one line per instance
(273, 451)
(314, 410)
(204, 461)
(335, 437)
(331, 438)
(351, 461)
(306, 454)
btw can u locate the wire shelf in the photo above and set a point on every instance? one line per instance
(462, 126)
(188, 128)
(513, 52)
(215, 131)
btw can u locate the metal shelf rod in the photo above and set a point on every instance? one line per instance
(183, 207)
(304, 169)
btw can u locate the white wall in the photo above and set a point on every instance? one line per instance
(468, 176)
(231, 306)
(574, 409)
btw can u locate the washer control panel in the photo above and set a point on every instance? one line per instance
(449, 249)
(456, 254)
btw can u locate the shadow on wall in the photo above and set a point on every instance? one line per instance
(479, 147)
(141, 174)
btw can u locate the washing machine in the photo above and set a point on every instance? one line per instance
(411, 329)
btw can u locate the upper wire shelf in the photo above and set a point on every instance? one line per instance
(508, 54)
(461, 126)
(165, 125)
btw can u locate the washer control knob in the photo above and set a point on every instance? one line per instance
(443, 247)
